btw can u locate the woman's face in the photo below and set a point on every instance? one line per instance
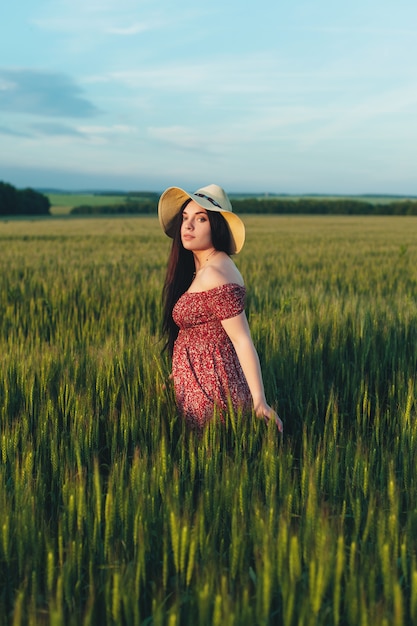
(195, 228)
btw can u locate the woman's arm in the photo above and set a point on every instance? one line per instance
(237, 328)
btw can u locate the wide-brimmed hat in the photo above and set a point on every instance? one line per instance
(211, 198)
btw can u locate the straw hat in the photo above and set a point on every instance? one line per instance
(211, 198)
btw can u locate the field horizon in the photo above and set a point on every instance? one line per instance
(62, 201)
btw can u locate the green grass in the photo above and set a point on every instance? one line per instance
(62, 203)
(112, 513)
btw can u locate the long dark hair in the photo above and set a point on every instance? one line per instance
(181, 268)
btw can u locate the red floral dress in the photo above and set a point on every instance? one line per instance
(206, 370)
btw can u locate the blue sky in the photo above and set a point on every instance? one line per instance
(282, 96)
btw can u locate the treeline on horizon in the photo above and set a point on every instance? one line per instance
(21, 202)
(148, 203)
(16, 202)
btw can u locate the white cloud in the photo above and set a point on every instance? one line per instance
(183, 138)
(133, 29)
(114, 17)
(108, 130)
(344, 121)
(256, 75)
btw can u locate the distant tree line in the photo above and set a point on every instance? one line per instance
(148, 202)
(22, 201)
(323, 206)
(29, 202)
(129, 207)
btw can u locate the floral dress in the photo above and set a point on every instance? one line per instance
(207, 374)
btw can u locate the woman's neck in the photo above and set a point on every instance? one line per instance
(201, 259)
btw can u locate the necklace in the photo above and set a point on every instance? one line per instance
(205, 263)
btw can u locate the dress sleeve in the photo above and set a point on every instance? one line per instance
(228, 301)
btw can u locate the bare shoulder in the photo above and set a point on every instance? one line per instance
(221, 272)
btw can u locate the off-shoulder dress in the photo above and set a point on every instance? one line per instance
(208, 377)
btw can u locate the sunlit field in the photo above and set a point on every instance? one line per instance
(62, 203)
(111, 513)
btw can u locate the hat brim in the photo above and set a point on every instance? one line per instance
(172, 200)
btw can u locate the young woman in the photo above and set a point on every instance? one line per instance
(215, 366)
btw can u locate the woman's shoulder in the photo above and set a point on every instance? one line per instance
(218, 274)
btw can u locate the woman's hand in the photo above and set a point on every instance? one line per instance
(267, 413)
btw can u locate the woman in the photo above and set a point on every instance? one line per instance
(215, 366)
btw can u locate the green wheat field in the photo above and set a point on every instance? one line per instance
(111, 513)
